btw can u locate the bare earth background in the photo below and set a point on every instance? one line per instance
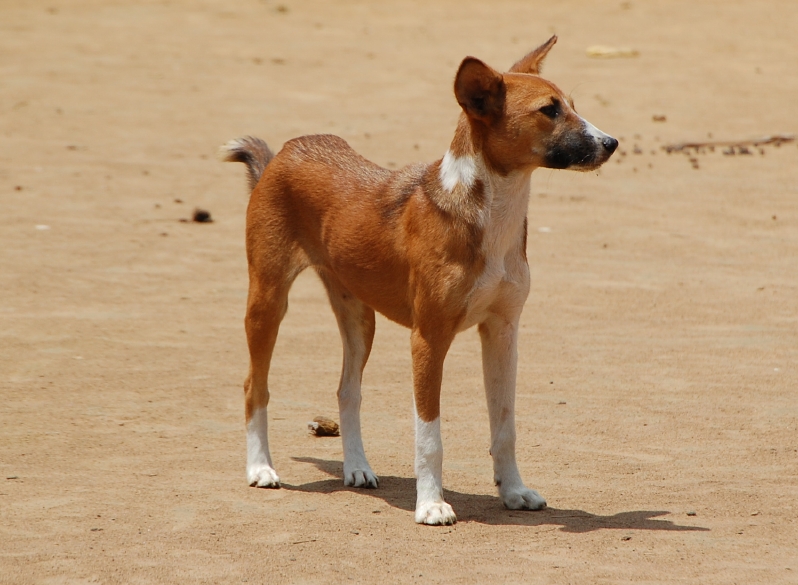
(658, 383)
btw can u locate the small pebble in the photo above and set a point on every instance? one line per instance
(691, 513)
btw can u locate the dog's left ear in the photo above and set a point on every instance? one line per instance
(531, 63)
(480, 90)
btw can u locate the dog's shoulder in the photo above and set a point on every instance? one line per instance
(400, 187)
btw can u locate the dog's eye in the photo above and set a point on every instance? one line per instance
(551, 111)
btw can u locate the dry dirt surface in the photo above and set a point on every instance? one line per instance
(658, 381)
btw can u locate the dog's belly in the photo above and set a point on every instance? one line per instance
(372, 273)
(383, 292)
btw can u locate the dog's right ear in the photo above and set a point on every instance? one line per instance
(532, 61)
(479, 90)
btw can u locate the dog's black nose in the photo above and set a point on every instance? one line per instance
(610, 144)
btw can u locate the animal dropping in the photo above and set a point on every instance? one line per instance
(202, 216)
(324, 427)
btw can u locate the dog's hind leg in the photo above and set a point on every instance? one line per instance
(356, 325)
(266, 306)
(499, 337)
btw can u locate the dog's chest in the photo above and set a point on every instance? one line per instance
(503, 283)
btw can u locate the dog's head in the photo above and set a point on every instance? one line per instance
(521, 121)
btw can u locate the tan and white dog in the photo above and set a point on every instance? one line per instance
(436, 247)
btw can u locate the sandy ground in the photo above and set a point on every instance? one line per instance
(658, 383)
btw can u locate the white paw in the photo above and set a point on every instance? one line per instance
(262, 476)
(522, 498)
(435, 514)
(364, 478)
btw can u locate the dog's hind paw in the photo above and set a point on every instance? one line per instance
(362, 478)
(435, 514)
(263, 476)
(523, 499)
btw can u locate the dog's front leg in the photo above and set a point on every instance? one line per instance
(499, 365)
(429, 351)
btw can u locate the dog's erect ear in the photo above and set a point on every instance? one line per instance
(531, 63)
(479, 90)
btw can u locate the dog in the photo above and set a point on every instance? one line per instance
(436, 247)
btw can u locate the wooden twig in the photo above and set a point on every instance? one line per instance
(776, 139)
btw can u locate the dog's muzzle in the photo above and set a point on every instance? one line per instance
(582, 150)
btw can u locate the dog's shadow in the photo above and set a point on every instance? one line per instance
(400, 492)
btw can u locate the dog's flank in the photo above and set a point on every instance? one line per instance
(251, 151)
(436, 247)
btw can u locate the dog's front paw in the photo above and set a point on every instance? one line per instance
(262, 476)
(362, 478)
(435, 514)
(522, 498)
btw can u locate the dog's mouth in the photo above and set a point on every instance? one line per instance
(583, 150)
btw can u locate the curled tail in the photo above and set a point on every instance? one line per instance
(251, 151)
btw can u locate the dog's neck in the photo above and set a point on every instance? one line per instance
(479, 195)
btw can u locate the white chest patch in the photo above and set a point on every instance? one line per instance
(457, 170)
(504, 283)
